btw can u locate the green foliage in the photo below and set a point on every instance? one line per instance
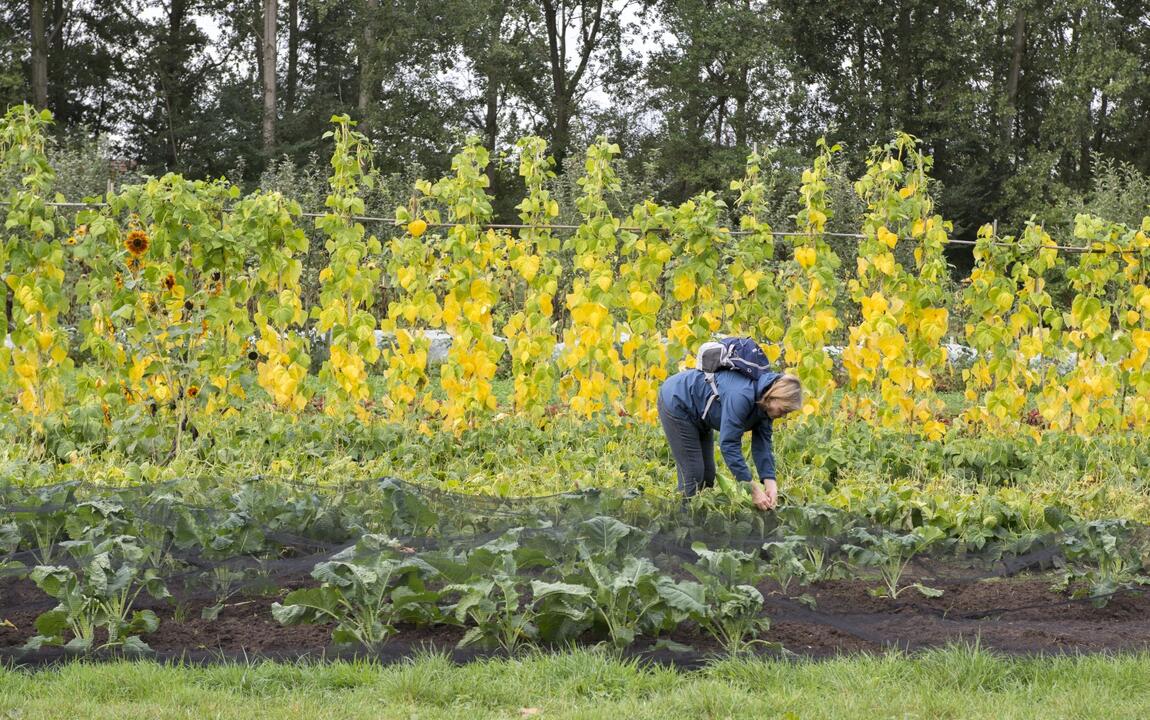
(1102, 558)
(1022, 106)
(366, 589)
(495, 607)
(732, 611)
(1119, 191)
(349, 281)
(98, 595)
(611, 566)
(891, 552)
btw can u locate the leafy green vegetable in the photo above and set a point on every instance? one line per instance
(891, 552)
(97, 594)
(367, 589)
(730, 607)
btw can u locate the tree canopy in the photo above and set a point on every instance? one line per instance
(1018, 102)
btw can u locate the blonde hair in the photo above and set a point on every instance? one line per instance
(785, 394)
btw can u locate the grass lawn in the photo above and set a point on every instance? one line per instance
(952, 683)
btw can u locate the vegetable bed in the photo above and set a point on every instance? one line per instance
(384, 569)
(1015, 616)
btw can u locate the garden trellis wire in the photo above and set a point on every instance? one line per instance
(1070, 249)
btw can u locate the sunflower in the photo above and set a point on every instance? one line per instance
(137, 243)
(193, 391)
(118, 280)
(81, 230)
(170, 281)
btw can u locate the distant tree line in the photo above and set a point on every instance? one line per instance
(1023, 104)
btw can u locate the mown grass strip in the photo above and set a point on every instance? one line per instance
(952, 683)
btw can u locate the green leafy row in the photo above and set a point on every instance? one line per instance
(577, 566)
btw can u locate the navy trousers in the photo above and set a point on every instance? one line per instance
(692, 446)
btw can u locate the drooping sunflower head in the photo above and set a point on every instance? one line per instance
(136, 243)
(170, 281)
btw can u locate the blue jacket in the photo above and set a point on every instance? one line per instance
(732, 414)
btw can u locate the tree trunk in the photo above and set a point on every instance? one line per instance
(173, 65)
(903, 113)
(255, 24)
(293, 56)
(493, 72)
(886, 79)
(59, 15)
(1099, 132)
(58, 93)
(1091, 138)
(741, 101)
(860, 75)
(564, 85)
(720, 120)
(39, 56)
(1019, 47)
(1079, 168)
(311, 36)
(269, 65)
(491, 126)
(367, 67)
(561, 130)
(560, 121)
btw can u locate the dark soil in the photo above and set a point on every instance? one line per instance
(1012, 615)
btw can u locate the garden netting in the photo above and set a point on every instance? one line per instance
(205, 570)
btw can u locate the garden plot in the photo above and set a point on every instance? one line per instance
(197, 569)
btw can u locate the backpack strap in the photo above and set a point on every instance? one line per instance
(750, 364)
(728, 353)
(710, 378)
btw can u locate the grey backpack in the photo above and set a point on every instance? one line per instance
(741, 354)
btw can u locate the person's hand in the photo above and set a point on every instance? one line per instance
(764, 496)
(771, 489)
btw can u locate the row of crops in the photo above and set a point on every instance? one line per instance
(179, 299)
(374, 559)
